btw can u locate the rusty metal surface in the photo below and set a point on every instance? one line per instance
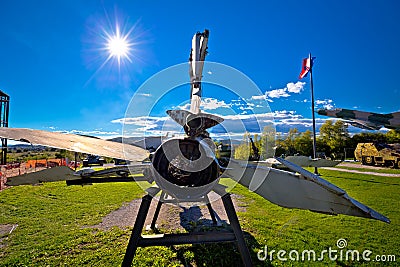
(76, 143)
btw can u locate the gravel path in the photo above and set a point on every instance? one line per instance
(171, 217)
(353, 165)
(5, 231)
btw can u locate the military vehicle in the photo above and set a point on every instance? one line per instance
(364, 120)
(93, 160)
(378, 154)
(255, 154)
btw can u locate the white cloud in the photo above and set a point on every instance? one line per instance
(291, 88)
(143, 123)
(144, 94)
(284, 114)
(185, 106)
(295, 88)
(212, 103)
(245, 107)
(326, 104)
(233, 125)
(207, 104)
(259, 97)
(91, 132)
(277, 93)
(239, 123)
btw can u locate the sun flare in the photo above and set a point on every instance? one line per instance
(114, 46)
(118, 46)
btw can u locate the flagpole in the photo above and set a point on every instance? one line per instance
(313, 114)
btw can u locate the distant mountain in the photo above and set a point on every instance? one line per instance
(26, 147)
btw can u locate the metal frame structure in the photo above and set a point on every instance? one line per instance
(138, 240)
(4, 111)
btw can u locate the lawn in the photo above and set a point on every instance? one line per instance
(52, 231)
(377, 170)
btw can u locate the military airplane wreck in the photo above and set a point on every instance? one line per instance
(185, 169)
(304, 161)
(364, 120)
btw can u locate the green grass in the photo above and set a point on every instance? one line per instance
(281, 228)
(52, 218)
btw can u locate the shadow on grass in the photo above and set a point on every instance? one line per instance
(218, 254)
(212, 254)
(208, 253)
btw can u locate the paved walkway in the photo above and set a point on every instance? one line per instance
(362, 172)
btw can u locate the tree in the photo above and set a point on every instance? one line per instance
(242, 151)
(280, 150)
(368, 137)
(393, 136)
(267, 144)
(335, 135)
(289, 142)
(303, 143)
(61, 154)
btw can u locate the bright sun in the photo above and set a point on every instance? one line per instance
(118, 46)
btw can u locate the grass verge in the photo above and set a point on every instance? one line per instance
(52, 218)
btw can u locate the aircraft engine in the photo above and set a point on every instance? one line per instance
(186, 168)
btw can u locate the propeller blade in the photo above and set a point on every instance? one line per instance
(76, 143)
(304, 191)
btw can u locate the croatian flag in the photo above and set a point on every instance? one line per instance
(307, 65)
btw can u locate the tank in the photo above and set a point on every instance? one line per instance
(378, 154)
(93, 160)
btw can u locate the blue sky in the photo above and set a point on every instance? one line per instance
(52, 62)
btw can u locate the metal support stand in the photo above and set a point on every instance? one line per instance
(138, 240)
(4, 110)
(212, 213)
(157, 212)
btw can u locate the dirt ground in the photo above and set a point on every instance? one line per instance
(353, 165)
(171, 217)
(5, 231)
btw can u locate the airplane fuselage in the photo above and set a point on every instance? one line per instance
(367, 120)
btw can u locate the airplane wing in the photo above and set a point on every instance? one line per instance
(59, 173)
(83, 176)
(304, 190)
(76, 143)
(360, 119)
(71, 142)
(364, 124)
(304, 161)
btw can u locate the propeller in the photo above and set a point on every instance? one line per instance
(298, 189)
